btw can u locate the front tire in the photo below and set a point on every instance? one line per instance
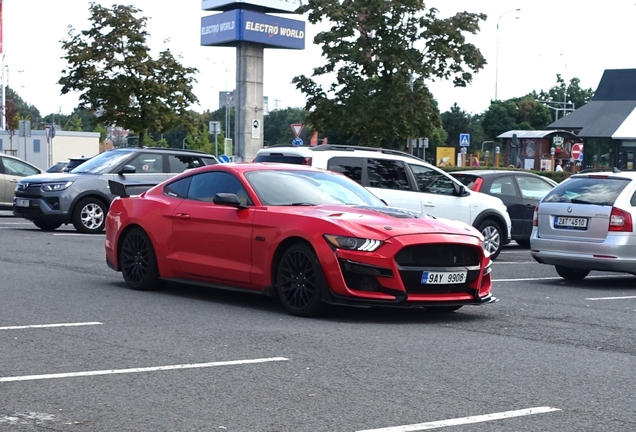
(89, 216)
(300, 282)
(47, 226)
(572, 274)
(493, 237)
(138, 261)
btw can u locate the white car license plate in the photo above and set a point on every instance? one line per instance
(22, 202)
(430, 278)
(570, 222)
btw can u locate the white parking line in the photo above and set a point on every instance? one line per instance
(611, 298)
(79, 235)
(465, 420)
(50, 325)
(557, 278)
(137, 370)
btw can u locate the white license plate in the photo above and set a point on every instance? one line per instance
(570, 222)
(430, 278)
(22, 202)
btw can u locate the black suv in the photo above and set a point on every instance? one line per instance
(82, 196)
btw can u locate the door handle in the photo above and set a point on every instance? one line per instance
(183, 216)
(13, 181)
(429, 204)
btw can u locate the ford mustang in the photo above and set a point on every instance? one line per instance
(308, 236)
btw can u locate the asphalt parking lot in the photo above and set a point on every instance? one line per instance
(80, 351)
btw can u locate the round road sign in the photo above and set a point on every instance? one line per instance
(577, 151)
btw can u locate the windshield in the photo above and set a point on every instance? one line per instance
(102, 163)
(281, 187)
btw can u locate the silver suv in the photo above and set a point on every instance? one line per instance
(587, 223)
(405, 181)
(82, 196)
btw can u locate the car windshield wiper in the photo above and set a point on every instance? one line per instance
(301, 204)
(580, 201)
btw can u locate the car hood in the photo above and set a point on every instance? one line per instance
(52, 177)
(384, 222)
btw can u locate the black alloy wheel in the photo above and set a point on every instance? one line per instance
(138, 262)
(47, 226)
(572, 274)
(300, 282)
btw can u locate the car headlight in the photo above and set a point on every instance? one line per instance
(353, 243)
(58, 186)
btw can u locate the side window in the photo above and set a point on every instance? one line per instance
(503, 186)
(387, 174)
(533, 188)
(432, 181)
(17, 168)
(206, 185)
(351, 167)
(179, 163)
(147, 163)
(178, 189)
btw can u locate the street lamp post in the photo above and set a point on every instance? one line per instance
(497, 51)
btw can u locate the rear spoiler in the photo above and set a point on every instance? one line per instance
(121, 189)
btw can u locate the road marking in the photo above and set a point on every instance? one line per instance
(611, 298)
(465, 420)
(80, 235)
(15, 223)
(558, 278)
(137, 370)
(50, 325)
(514, 262)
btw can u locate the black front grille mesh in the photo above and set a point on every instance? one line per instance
(437, 255)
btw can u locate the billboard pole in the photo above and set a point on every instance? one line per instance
(249, 106)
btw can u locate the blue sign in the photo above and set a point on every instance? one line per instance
(224, 159)
(297, 142)
(245, 25)
(464, 139)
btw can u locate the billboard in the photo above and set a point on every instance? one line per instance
(445, 156)
(238, 25)
(276, 6)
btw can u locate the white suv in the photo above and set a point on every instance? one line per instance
(405, 181)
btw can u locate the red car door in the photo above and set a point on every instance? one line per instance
(213, 241)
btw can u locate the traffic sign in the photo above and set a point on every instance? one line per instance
(256, 129)
(577, 151)
(224, 159)
(297, 128)
(464, 139)
(297, 142)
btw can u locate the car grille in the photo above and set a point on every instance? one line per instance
(414, 260)
(437, 255)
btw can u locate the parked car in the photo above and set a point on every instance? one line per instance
(405, 181)
(587, 223)
(306, 235)
(520, 191)
(68, 165)
(12, 170)
(82, 196)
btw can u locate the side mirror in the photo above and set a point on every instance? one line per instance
(460, 190)
(228, 199)
(127, 169)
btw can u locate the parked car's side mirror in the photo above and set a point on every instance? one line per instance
(127, 169)
(460, 190)
(228, 199)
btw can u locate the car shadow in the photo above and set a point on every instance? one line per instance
(610, 283)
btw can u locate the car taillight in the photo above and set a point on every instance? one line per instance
(535, 217)
(306, 161)
(620, 220)
(477, 184)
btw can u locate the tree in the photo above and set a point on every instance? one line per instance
(575, 96)
(23, 109)
(110, 65)
(457, 121)
(277, 126)
(524, 113)
(381, 54)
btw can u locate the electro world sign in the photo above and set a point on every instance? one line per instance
(227, 28)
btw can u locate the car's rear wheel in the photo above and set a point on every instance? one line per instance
(493, 237)
(568, 273)
(138, 261)
(47, 226)
(300, 282)
(89, 216)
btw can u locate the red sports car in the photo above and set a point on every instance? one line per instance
(309, 236)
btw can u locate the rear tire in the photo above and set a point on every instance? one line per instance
(47, 226)
(138, 261)
(568, 273)
(300, 282)
(493, 237)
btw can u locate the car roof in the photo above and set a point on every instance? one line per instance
(21, 160)
(344, 148)
(243, 167)
(163, 150)
(492, 172)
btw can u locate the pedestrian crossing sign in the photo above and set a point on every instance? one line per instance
(464, 140)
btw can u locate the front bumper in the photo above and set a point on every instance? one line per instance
(51, 208)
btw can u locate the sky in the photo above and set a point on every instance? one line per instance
(524, 50)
